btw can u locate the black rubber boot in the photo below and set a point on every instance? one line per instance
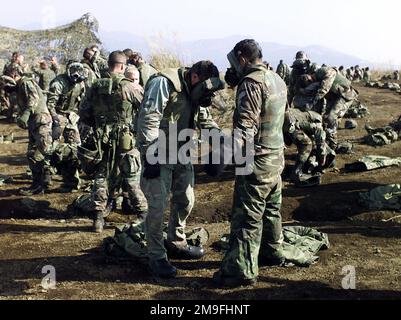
(98, 223)
(186, 253)
(162, 268)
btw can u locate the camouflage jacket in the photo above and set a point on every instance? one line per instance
(64, 96)
(10, 65)
(167, 101)
(310, 123)
(111, 101)
(45, 76)
(260, 107)
(333, 85)
(31, 97)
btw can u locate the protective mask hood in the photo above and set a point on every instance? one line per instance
(76, 72)
(234, 62)
(203, 92)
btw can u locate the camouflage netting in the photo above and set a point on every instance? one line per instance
(65, 42)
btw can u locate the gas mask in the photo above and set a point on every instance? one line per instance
(203, 92)
(231, 78)
(76, 72)
(236, 72)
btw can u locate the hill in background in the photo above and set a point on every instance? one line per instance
(68, 41)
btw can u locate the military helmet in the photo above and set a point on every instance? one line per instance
(301, 55)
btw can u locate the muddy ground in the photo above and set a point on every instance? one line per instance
(47, 235)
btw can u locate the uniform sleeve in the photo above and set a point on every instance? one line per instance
(205, 119)
(151, 112)
(326, 84)
(30, 95)
(249, 106)
(55, 91)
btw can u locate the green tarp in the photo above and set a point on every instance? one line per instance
(372, 162)
(129, 241)
(300, 247)
(382, 198)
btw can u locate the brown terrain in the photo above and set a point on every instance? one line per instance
(39, 232)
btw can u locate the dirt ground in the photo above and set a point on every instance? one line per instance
(47, 235)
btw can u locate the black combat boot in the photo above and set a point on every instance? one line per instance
(162, 268)
(37, 185)
(232, 282)
(185, 253)
(98, 222)
(34, 189)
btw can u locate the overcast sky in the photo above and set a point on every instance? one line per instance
(366, 28)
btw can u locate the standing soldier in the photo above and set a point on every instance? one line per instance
(110, 108)
(259, 116)
(283, 70)
(367, 75)
(301, 66)
(64, 99)
(34, 116)
(173, 101)
(396, 75)
(10, 99)
(54, 66)
(342, 71)
(93, 64)
(45, 75)
(145, 69)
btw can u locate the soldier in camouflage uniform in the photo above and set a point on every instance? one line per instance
(342, 71)
(259, 115)
(339, 95)
(301, 66)
(110, 108)
(367, 75)
(64, 99)
(35, 116)
(284, 71)
(9, 100)
(145, 69)
(45, 76)
(173, 98)
(350, 74)
(305, 130)
(94, 65)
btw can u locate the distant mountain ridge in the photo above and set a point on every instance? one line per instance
(216, 50)
(69, 40)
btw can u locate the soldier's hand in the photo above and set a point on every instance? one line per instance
(151, 171)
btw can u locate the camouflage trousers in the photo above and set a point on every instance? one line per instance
(176, 179)
(336, 109)
(122, 173)
(256, 225)
(305, 143)
(67, 160)
(40, 148)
